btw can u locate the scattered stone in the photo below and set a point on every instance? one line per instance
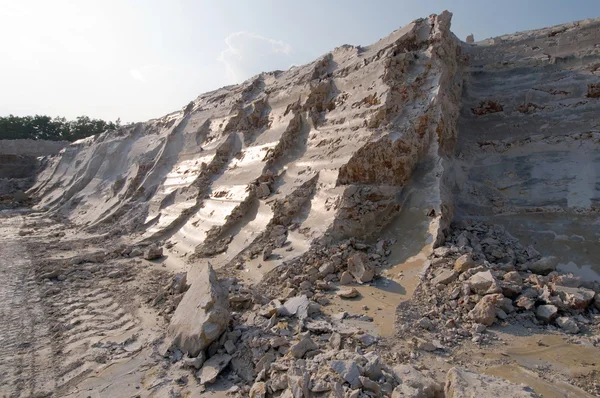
(463, 383)
(346, 278)
(348, 370)
(445, 277)
(258, 390)
(577, 298)
(211, 369)
(302, 347)
(485, 310)
(153, 252)
(567, 324)
(370, 385)
(544, 266)
(546, 313)
(196, 362)
(296, 306)
(367, 340)
(484, 283)
(360, 267)
(202, 314)
(348, 292)
(229, 347)
(413, 383)
(267, 253)
(464, 263)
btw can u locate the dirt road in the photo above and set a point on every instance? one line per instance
(26, 367)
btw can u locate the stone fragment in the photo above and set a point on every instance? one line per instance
(258, 390)
(153, 252)
(201, 316)
(484, 283)
(335, 341)
(525, 302)
(576, 298)
(367, 340)
(348, 292)
(295, 306)
(326, 269)
(196, 362)
(211, 369)
(298, 382)
(567, 324)
(413, 383)
(360, 267)
(346, 278)
(263, 190)
(485, 310)
(229, 347)
(444, 277)
(348, 370)
(544, 266)
(463, 263)
(302, 347)
(370, 385)
(267, 253)
(463, 383)
(546, 313)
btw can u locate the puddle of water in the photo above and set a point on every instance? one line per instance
(414, 232)
(552, 352)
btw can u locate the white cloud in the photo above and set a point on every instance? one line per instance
(137, 75)
(248, 54)
(151, 72)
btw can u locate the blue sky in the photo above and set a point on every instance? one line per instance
(139, 59)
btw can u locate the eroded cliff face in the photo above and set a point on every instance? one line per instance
(324, 149)
(529, 139)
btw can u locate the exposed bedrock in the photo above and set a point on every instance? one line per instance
(529, 139)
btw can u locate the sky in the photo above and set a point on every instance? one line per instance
(141, 59)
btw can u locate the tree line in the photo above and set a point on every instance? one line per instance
(41, 127)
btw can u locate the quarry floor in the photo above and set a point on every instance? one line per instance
(98, 335)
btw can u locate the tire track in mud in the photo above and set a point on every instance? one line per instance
(24, 336)
(54, 333)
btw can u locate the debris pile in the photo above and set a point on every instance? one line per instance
(483, 276)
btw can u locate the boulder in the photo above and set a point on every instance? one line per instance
(546, 313)
(463, 263)
(201, 316)
(544, 266)
(463, 383)
(413, 383)
(485, 310)
(360, 267)
(567, 324)
(211, 369)
(153, 252)
(444, 277)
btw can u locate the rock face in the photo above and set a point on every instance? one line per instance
(202, 315)
(463, 383)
